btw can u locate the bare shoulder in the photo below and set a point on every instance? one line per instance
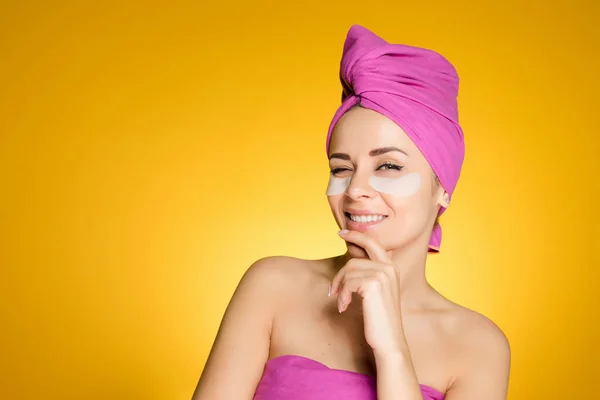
(281, 270)
(284, 277)
(483, 355)
(479, 331)
(235, 363)
(269, 270)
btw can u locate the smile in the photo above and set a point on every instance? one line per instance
(366, 218)
(363, 222)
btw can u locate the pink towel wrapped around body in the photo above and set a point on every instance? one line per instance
(292, 377)
(417, 89)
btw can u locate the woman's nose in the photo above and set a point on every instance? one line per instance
(359, 187)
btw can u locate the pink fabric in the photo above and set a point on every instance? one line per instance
(293, 377)
(414, 87)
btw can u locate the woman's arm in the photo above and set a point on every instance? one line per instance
(378, 281)
(396, 377)
(241, 348)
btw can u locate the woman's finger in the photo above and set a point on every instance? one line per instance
(345, 295)
(373, 249)
(352, 264)
(357, 284)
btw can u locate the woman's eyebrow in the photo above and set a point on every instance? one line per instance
(383, 150)
(372, 153)
(341, 156)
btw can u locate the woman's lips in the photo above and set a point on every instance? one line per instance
(362, 226)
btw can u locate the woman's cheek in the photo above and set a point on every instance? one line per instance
(409, 213)
(334, 205)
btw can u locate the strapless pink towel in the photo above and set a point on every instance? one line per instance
(293, 377)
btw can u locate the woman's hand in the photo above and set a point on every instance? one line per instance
(376, 280)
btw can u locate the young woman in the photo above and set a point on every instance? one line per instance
(367, 324)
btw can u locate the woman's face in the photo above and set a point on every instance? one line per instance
(380, 183)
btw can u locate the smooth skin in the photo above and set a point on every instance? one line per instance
(392, 323)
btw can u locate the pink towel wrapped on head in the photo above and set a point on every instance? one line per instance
(414, 87)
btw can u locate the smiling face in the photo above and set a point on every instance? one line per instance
(380, 183)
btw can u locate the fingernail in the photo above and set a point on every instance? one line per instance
(329, 291)
(343, 232)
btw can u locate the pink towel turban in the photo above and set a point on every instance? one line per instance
(414, 87)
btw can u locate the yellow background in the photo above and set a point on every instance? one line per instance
(149, 153)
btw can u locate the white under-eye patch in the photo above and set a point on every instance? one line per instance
(404, 186)
(337, 185)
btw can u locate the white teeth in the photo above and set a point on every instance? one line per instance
(366, 218)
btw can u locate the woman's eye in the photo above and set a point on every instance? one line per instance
(338, 170)
(388, 166)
